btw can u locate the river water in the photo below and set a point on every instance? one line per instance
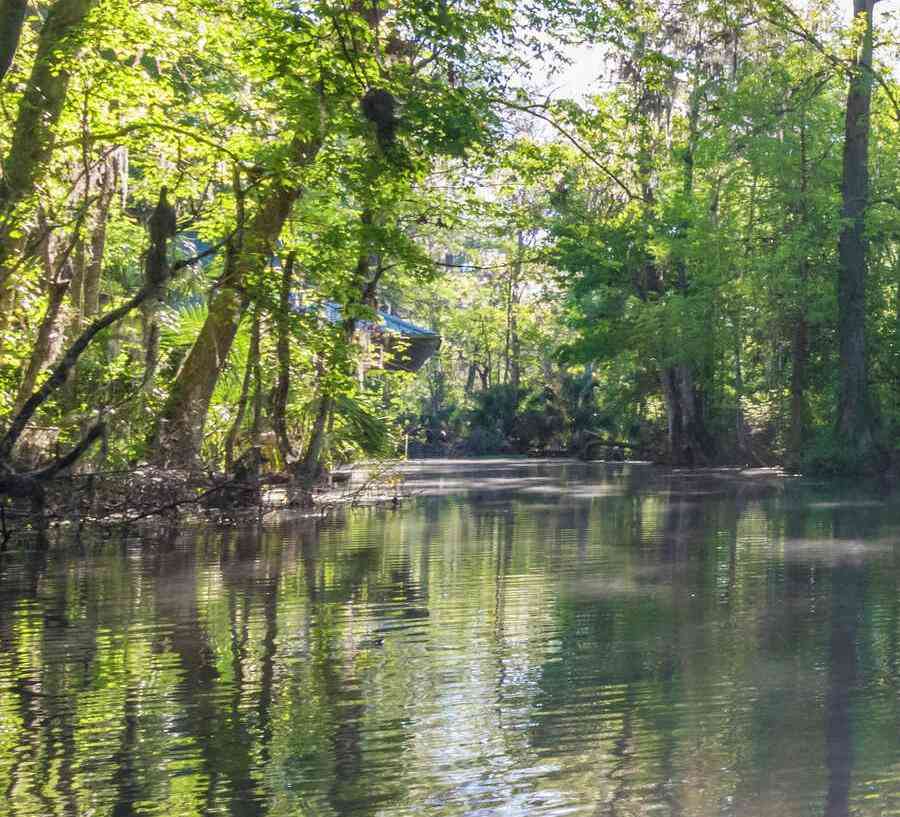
(517, 638)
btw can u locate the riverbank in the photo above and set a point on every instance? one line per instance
(145, 495)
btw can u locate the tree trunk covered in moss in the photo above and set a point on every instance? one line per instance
(32, 142)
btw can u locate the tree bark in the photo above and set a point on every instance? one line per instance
(311, 465)
(180, 433)
(32, 142)
(800, 339)
(687, 434)
(85, 291)
(249, 370)
(12, 16)
(55, 259)
(42, 351)
(856, 415)
(283, 352)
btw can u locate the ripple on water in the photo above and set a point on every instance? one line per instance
(522, 638)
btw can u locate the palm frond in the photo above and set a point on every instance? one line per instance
(359, 426)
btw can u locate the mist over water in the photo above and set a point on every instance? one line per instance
(518, 638)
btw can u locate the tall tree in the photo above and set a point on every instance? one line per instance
(856, 420)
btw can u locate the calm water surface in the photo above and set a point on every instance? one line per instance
(521, 638)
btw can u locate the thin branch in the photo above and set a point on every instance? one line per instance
(157, 126)
(589, 155)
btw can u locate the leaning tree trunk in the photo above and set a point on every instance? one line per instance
(856, 415)
(42, 350)
(32, 142)
(310, 467)
(180, 434)
(55, 259)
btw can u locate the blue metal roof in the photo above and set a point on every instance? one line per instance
(331, 311)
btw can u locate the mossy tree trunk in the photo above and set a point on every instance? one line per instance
(33, 134)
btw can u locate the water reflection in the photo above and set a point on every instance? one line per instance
(522, 638)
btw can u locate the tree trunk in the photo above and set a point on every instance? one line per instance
(42, 351)
(32, 142)
(800, 339)
(12, 16)
(687, 435)
(150, 341)
(671, 396)
(856, 415)
(249, 370)
(741, 435)
(799, 405)
(85, 290)
(513, 344)
(470, 378)
(283, 351)
(180, 433)
(688, 438)
(311, 466)
(55, 259)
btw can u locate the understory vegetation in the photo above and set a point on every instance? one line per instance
(253, 236)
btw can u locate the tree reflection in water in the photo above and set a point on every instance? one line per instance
(561, 638)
